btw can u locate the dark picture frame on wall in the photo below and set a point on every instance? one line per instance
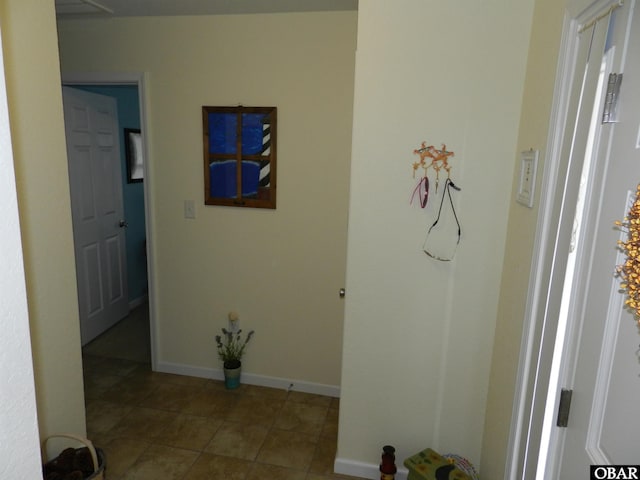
(240, 146)
(134, 155)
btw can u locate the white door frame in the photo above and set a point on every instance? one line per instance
(536, 349)
(138, 79)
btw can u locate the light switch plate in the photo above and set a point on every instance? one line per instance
(528, 169)
(189, 209)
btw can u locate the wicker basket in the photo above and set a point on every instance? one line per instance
(97, 455)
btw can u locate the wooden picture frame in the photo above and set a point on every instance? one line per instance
(240, 156)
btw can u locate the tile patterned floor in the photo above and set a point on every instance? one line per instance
(171, 427)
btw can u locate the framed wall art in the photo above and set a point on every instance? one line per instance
(134, 156)
(239, 146)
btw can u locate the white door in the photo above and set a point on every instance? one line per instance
(600, 362)
(93, 150)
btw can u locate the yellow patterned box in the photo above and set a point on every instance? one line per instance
(430, 465)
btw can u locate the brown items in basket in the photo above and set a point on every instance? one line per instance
(71, 464)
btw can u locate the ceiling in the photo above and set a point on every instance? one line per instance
(133, 8)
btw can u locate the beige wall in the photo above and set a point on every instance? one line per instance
(37, 130)
(534, 133)
(280, 269)
(534, 126)
(419, 333)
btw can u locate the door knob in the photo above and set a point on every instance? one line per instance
(123, 224)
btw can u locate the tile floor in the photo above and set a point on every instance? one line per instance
(164, 427)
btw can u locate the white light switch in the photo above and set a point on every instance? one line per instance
(528, 169)
(189, 209)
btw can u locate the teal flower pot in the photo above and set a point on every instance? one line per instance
(232, 377)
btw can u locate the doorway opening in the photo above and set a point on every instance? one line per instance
(129, 91)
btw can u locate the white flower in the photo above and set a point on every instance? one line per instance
(234, 317)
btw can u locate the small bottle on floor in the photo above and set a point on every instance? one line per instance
(388, 465)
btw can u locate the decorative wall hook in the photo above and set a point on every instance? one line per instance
(439, 158)
(442, 238)
(430, 157)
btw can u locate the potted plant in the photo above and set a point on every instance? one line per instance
(231, 347)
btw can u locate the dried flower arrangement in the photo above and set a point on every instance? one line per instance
(629, 272)
(230, 344)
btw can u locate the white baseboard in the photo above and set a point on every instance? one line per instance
(136, 302)
(353, 468)
(251, 379)
(179, 369)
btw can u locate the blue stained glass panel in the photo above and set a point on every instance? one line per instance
(223, 133)
(252, 133)
(222, 179)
